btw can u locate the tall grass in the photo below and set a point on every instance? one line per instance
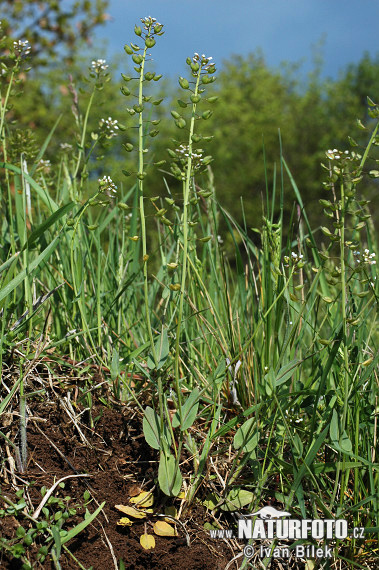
(269, 358)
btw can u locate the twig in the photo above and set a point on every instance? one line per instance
(51, 490)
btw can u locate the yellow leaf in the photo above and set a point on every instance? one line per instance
(162, 528)
(124, 522)
(182, 495)
(131, 511)
(172, 512)
(144, 499)
(147, 541)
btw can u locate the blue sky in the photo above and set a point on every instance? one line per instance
(284, 30)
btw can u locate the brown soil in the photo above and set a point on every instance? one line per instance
(117, 457)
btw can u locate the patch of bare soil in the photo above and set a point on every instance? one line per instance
(115, 455)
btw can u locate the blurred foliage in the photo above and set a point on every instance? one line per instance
(255, 103)
(52, 27)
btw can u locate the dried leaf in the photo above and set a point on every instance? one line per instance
(134, 490)
(147, 541)
(124, 522)
(162, 528)
(144, 499)
(131, 511)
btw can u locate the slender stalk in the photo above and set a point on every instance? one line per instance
(186, 192)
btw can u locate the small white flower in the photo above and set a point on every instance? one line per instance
(22, 47)
(110, 127)
(107, 186)
(99, 65)
(66, 146)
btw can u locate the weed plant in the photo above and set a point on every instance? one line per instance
(261, 369)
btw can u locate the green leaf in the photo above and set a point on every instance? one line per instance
(334, 430)
(237, 499)
(81, 526)
(152, 428)
(46, 199)
(246, 436)
(189, 411)
(5, 291)
(162, 349)
(169, 476)
(286, 372)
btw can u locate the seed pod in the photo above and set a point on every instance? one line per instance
(183, 82)
(123, 206)
(180, 123)
(195, 66)
(137, 58)
(138, 108)
(154, 133)
(149, 75)
(206, 79)
(128, 49)
(150, 42)
(126, 77)
(195, 98)
(175, 115)
(128, 147)
(137, 31)
(207, 114)
(157, 102)
(157, 77)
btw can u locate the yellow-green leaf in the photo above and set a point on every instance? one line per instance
(124, 522)
(162, 528)
(147, 541)
(131, 511)
(144, 499)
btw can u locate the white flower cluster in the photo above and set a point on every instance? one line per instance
(110, 127)
(295, 258)
(149, 21)
(44, 165)
(22, 47)
(107, 186)
(367, 257)
(99, 65)
(336, 154)
(201, 59)
(196, 157)
(66, 147)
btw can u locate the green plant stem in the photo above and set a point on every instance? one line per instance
(186, 192)
(141, 205)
